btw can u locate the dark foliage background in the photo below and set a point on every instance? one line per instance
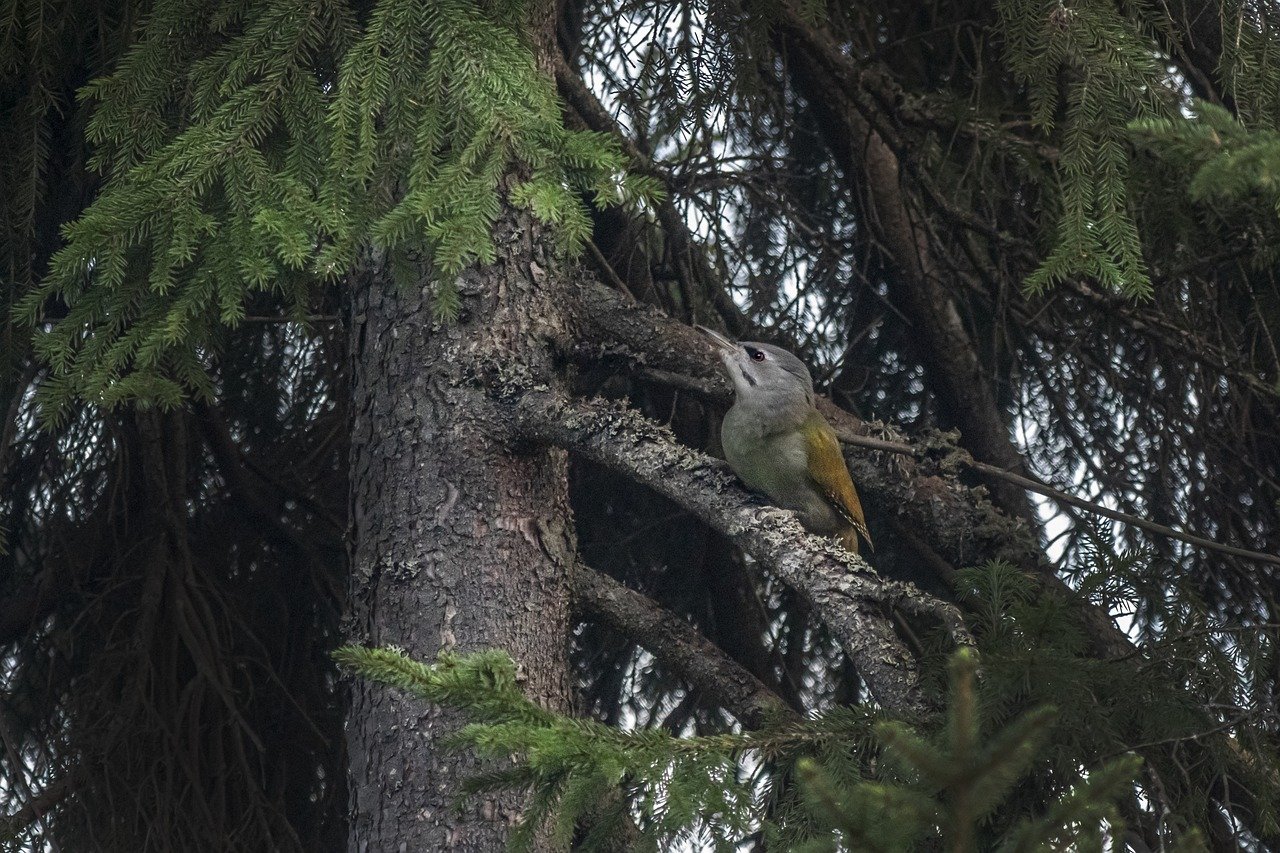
(1060, 242)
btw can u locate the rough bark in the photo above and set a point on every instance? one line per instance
(462, 537)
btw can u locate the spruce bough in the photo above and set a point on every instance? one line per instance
(941, 785)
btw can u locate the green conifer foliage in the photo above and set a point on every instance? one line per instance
(1110, 62)
(250, 154)
(1251, 59)
(949, 786)
(576, 769)
(1035, 654)
(1033, 751)
(1225, 163)
(255, 148)
(943, 786)
(1089, 67)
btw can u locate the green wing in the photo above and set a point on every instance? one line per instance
(830, 474)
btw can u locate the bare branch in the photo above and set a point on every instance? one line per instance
(850, 598)
(1036, 485)
(678, 645)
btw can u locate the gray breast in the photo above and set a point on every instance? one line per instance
(776, 465)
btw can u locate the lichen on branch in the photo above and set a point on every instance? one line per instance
(850, 598)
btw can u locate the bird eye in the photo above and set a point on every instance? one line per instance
(756, 354)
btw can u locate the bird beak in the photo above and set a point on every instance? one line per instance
(717, 340)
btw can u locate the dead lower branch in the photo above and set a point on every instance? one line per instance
(679, 646)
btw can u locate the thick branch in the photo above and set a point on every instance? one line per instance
(679, 646)
(845, 593)
(958, 522)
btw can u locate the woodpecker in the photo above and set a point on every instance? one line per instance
(778, 443)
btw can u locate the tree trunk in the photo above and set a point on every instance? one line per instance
(462, 538)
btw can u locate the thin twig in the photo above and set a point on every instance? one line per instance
(700, 386)
(1039, 487)
(607, 270)
(1115, 515)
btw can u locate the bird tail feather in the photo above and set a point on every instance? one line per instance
(849, 539)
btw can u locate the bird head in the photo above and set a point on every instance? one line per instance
(762, 373)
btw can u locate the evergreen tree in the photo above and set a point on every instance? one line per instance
(353, 324)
